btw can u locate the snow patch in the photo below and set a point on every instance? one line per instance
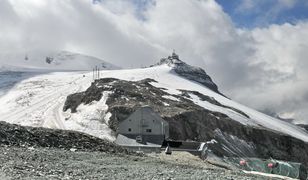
(171, 98)
(212, 107)
(166, 104)
(212, 141)
(269, 175)
(92, 119)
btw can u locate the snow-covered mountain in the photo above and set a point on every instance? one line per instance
(184, 95)
(165, 77)
(51, 61)
(187, 71)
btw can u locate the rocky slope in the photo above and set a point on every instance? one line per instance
(22, 136)
(55, 164)
(40, 153)
(189, 121)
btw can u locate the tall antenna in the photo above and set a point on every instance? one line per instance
(98, 73)
(93, 75)
(95, 72)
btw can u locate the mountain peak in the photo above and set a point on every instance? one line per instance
(187, 71)
(174, 59)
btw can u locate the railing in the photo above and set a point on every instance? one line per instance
(271, 166)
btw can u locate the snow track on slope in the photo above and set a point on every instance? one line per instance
(38, 101)
(45, 106)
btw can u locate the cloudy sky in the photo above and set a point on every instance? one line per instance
(255, 50)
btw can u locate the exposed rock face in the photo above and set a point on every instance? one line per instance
(188, 121)
(189, 72)
(305, 126)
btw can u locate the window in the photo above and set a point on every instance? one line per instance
(148, 130)
(129, 129)
(139, 139)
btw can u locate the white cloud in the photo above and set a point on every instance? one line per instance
(281, 86)
(263, 68)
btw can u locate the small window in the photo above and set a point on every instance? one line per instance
(148, 130)
(139, 139)
(129, 129)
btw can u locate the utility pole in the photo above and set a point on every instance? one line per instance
(98, 73)
(95, 72)
(93, 75)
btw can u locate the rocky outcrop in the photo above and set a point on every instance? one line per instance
(188, 121)
(305, 126)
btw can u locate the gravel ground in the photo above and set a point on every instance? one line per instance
(53, 163)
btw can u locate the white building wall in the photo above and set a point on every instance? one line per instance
(144, 121)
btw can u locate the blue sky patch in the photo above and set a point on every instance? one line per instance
(260, 13)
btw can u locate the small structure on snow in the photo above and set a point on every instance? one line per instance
(175, 56)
